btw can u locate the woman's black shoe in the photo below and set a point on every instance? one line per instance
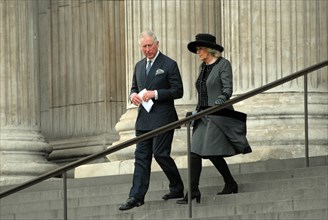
(229, 189)
(194, 195)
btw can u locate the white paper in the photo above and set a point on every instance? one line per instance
(147, 105)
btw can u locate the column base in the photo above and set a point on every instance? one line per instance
(23, 155)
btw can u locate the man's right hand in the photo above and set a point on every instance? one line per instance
(135, 99)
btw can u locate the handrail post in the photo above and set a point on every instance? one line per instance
(64, 176)
(306, 125)
(189, 171)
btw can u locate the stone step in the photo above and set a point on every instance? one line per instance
(247, 183)
(244, 168)
(315, 214)
(178, 211)
(158, 180)
(274, 183)
(305, 191)
(201, 211)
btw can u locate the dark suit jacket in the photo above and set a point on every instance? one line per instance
(164, 76)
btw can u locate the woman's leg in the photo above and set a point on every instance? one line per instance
(196, 169)
(222, 166)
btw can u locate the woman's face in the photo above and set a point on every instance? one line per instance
(204, 55)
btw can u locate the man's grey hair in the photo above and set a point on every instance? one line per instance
(214, 52)
(148, 34)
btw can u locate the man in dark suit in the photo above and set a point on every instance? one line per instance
(161, 78)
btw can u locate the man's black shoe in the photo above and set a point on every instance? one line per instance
(172, 195)
(131, 203)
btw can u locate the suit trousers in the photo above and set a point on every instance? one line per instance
(160, 147)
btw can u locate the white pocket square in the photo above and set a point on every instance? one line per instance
(159, 71)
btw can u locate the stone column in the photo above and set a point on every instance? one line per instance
(23, 149)
(265, 41)
(82, 74)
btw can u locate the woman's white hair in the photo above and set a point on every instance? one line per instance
(214, 52)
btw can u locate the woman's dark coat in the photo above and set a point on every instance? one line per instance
(222, 133)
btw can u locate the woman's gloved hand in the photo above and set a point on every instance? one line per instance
(221, 100)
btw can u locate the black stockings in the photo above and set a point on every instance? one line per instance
(222, 166)
(219, 163)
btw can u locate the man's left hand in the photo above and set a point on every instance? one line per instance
(149, 94)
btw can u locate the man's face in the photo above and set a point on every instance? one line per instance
(149, 47)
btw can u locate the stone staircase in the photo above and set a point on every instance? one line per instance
(272, 190)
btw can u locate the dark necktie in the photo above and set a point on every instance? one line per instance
(148, 67)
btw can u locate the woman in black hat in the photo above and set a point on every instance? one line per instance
(222, 133)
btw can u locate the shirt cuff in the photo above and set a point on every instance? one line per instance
(156, 94)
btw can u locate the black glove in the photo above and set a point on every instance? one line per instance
(191, 113)
(188, 114)
(221, 100)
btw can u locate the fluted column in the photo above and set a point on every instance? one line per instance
(23, 149)
(267, 40)
(82, 70)
(168, 20)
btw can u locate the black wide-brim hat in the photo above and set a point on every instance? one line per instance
(204, 40)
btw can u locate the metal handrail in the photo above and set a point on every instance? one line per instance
(173, 125)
